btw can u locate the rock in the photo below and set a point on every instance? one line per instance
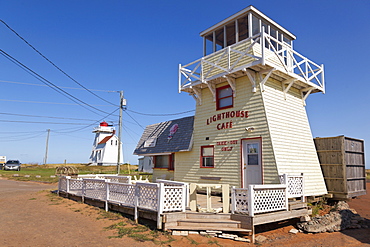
(260, 239)
(38, 176)
(15, 175)
(27, 176)
(242, 239)
(52, 176)
(180, 233)
(225, 236)
(213, 231)
(294, 231)
(193, 232)
(305, 218)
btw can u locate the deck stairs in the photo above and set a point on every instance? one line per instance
(194, 221)
(244, 224)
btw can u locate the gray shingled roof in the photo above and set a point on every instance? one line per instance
(180, 141)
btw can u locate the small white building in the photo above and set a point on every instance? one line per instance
(105, 146)
(146, 164)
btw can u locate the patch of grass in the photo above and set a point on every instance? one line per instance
(192, 241)
(33, 198)
(210, 242)
(108, 215)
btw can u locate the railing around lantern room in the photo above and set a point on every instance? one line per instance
(261, 49)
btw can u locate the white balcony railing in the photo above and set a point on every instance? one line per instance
(259, 49)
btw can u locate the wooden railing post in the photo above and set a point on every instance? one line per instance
(251, 200)
(193, 197)
(136, 216)
(225, 198)
(160, 199)
(107, 187)
(233, 200)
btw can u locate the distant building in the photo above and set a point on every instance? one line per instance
(146, 164)
(105, 146)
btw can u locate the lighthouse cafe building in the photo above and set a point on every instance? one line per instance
(250, 124)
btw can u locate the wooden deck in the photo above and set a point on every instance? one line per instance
(243, 224)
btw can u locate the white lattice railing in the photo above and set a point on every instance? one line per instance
(295, 185)
(156, 197)
(259, 199)
(259, 49)
(169, 183)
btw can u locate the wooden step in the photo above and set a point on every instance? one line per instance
(211, 228)
(297, 205)
(195, 215)
(209, 223)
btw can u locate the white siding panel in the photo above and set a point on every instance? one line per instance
(291, 136)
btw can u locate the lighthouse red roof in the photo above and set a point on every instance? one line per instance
(104, 124)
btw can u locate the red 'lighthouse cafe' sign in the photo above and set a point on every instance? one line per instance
(226, 115)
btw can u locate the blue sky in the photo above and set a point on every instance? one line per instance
(136, 46)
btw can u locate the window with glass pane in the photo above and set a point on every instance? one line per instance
(253, 153)
(161, 161)
(224, 97)
(243, 28)
(209, 44)
(255, 25)
(231, 34)
(219, 39)
(207, 156)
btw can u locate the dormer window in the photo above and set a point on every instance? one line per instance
(224, 97)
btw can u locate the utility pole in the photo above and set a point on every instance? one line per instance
(47, 146)
(121, 106)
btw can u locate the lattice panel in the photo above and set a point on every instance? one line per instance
(173, 198)
(122, 193)
(241, 200)
(125, 180)
(62, 184)
(147, 196)
(295, 186)
(95, 189)
(267, 200)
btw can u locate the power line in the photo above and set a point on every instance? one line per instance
(40, 85)
(48, 83)
(164, 114)
(25, 115)
(11, 29)
(16, 121)
(41, 102)
(134, 120)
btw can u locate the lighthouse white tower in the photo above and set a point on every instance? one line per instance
(105, 146)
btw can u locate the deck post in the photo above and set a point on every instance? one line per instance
(225, 198)
(251, 200)
(67, 184)
(160, 199)
(136, 200)
(185, 199)
(193, 197)
(233, 199)
(83, 192)
(209, 199)
(106, 195)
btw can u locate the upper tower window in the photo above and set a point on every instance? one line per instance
(224, 97)
(241, 26)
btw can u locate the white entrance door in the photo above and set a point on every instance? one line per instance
(252, 162)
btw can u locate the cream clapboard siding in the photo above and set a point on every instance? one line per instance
(162, 174)
(291, 136)
(227, 163)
